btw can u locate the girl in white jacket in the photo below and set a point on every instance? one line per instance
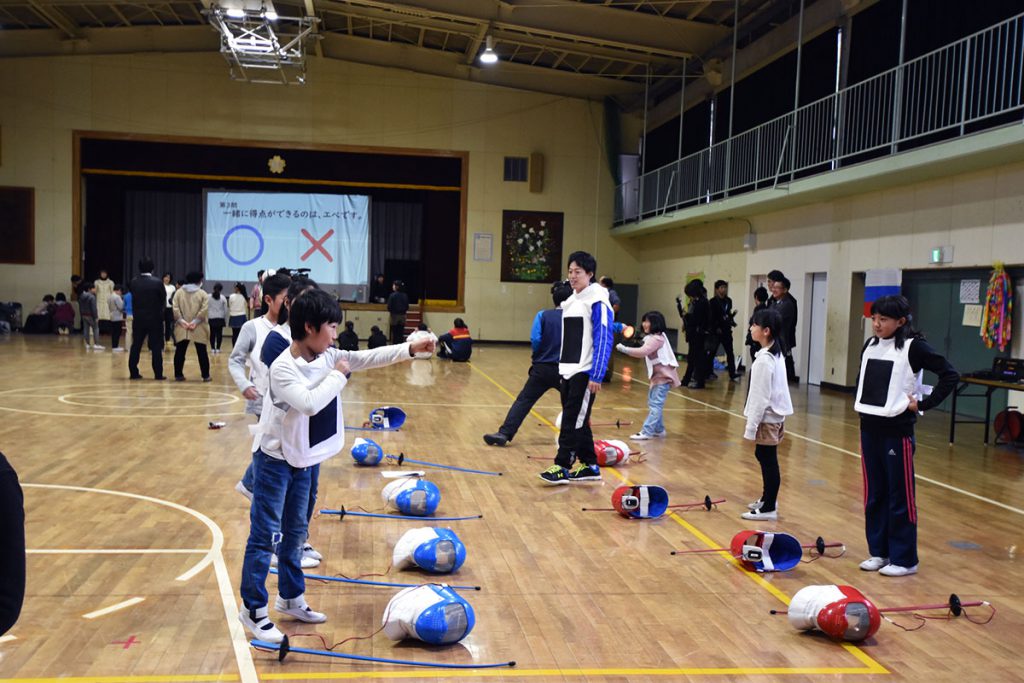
(768, 404)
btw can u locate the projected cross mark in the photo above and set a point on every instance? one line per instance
(317, 245)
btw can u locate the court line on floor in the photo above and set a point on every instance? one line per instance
(870, 665)
(796, 435)
(115, 551)
(113, 608)
(214, 556)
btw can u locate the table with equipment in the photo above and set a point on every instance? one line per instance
(990, 386)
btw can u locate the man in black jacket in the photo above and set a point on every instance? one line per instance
(696, 323)
(722, 322)
(398, 306)
(149, 299)
(12, 546)
(785, 304)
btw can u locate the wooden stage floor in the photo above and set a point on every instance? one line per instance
(136, 534)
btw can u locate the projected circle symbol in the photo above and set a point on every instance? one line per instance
(240, 243)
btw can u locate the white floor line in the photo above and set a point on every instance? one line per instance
(113, 608)
(927, 480)
(214, 556)
(115, 551)
(7, 638)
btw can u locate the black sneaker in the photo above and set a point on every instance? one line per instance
(555, 475)
(583, 474)
(496, 439)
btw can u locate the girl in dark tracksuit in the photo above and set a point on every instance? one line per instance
(889, 399)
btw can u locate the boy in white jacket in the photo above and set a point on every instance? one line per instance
(301, 426)
(768, 404)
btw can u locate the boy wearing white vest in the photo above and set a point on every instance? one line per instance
(302, 425)
(662, 370)
(245, 353)
(889, 399)
(586, 347)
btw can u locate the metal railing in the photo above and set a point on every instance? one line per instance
(973, 84)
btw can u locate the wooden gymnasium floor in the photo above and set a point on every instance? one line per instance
(131, 509)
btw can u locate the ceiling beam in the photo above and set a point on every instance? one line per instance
(110, 41)
(57, 19)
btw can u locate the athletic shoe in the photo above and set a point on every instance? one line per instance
(759, 516)
(896, 570)
(640, 436)
(756, 504)
(555, 475)
(297, 607)
(240, 487)
(496, 439)
(179, 378)
(310, 551)
(118, 349)
(97, 347)
(134, 376)
(660, 435)
(584, 474)
(161, 378)
(306, 562)
(260, 625)
(207, 379)
(873, 564)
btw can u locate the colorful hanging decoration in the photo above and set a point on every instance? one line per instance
(997, 318)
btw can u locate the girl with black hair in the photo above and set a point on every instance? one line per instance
(218, 317)
(889, 398)
(238, 308)
(661, 362)
(768, 404)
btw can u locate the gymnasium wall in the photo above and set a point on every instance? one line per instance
(42, 100)
(980, 214)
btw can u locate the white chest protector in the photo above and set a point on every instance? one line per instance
(310, 439)
(432, 613)
(886, 379)
(665, 356)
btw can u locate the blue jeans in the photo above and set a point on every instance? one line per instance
(314, 481)
(655, 401)
(280, 503)
(247, 478)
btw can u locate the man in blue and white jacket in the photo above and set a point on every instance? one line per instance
(587, 342)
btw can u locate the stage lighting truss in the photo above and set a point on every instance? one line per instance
(262, 47)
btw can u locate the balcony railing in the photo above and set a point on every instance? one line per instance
(973, 84)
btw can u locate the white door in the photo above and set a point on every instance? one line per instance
(816, 329)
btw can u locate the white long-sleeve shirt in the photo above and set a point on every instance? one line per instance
(308, 388)
(768, 400)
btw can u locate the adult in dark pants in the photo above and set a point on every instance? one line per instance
(696, 322)
(582, 359)
(722, 321)
(785, 304)
(616, 302)
(546, 340)
(760, 304)
(398, 306)
(149, 301)
(12, 546)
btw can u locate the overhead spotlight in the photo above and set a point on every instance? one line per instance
(489, 56)
(270, 15)
(235, 13)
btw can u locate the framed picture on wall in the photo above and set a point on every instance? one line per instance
(531, 246)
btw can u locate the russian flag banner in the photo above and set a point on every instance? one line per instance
(879, 283)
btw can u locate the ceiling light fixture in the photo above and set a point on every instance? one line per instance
(489, 56)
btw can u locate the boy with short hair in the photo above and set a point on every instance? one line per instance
(87, 309)
(586, 346)
(301, 426)
(115, 309)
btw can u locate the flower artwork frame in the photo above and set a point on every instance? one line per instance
(531, 246)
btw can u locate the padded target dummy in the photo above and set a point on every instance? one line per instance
(611, 452)
(842, 612)
(640, 502)
(387, 417)
(367, 452)
(766, 551)
(432, 613)
(416, 497)
(437, 550)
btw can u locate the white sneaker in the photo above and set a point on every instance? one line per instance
(97, 347)
(306, 562)
(662, 434)
(260, 625)
(640, 436)
(759, 516)
(873, 564)
(310, 551)
(118, 349)
(756, 504)
(240, 487)
(896, 570)
(297, 607)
